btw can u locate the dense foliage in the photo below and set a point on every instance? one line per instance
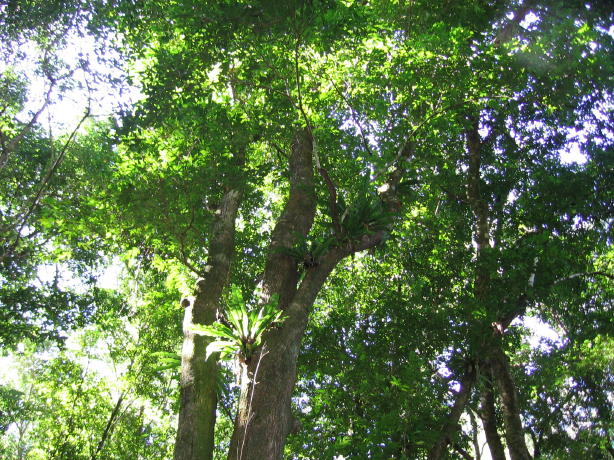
(364, 204)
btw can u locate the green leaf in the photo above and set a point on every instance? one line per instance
(222, 347)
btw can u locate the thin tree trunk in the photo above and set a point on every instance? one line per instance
(195, 432)
(8, 147)
(42, 189)
(514, 433)
(22, 445)
(475, 435)
(488, 415)
(109, 427)
(451, 425)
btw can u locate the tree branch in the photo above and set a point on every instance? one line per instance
(462, 452)
(451, 425)
(108, 428)
(332, 192)
(354, 117)
(45, 183)
(12, 144)
(295, 221)
(585, 274)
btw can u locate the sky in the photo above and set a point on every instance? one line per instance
(90, 86)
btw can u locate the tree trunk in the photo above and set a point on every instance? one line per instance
(514, 433)
(108, 429)
(264, 418)
(474, 435)
(195, 440)
(451, 426)
(488, 415)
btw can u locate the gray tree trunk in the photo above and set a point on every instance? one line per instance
(197, 413)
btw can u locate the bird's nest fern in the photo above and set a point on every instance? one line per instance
(240, 332)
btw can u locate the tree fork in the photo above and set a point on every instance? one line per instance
(295, 221)
(264, 419)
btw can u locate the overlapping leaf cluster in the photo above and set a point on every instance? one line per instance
(240, 331)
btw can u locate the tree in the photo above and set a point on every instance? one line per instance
(108, 392)
(44, 159)
(292, 138)
(325, 87)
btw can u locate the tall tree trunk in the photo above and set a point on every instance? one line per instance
(488, 415)
(195, 433)
(514, 433)
(482, 290)
(451, 425)
(264, 418)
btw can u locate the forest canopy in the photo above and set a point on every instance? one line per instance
(306, 229)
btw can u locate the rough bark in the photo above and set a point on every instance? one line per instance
(488, 416)
(514, 433)
(264, 418)
(451, 426)
(198, 403)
